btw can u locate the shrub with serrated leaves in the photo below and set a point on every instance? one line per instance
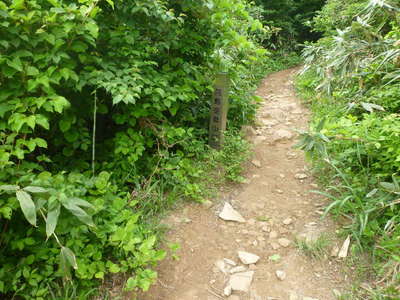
(97, 99)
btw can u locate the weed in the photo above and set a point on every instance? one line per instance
(263, 218)
(316, 249)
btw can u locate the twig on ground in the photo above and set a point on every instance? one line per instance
(164, 285)
(215, 294)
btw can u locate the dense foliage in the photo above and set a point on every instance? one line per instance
(290, 21)
(104, 109)
(352, 75)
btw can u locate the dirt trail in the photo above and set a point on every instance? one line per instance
(278, 190)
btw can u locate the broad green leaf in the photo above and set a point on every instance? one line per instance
(15, 64)
(51, 220)
(71, 135)
(31, 145)
(131, 283)
(9, 188)
(81, 202)
(389, 186)
(68, 257)
(147, 244)
(174, 109)
(44, 80)
(19, 153)
(18, 4)
(32, 71)
(59, 103)
(146, 278)
(16, 121)
(54, 3)
(41, 143)
(31, 121)
(93, 29)
(5, 108)
(27, 206)
(35, 189)
(32, 84)
(64, 124)
(79, 46)
(111, 3)
(114, 268)
(42, 121)
(78, 212)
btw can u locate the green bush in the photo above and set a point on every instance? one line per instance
(104, 106)
(290, 21)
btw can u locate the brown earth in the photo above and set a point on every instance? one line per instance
(278, 188)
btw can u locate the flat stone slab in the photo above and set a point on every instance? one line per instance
(241, 281)
(248, 258)
(228, 213)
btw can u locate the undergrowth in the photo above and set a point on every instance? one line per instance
(350, 81)
(104, 113)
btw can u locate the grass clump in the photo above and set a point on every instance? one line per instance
(315, 248)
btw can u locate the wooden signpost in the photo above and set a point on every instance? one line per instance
(219, 111)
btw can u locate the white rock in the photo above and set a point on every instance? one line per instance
(234, 297)
(309, 298)
(230, 214)
(337, 293)
(293, 296)
(273, 235)
(280, 274)
(301, 176)
(241, 281)
(220, 264)
(345, 248)
(228, 290)
(288, 221)
(281, 135)
(238, 269)
(229, 262)
(284, 242)
(248, 258)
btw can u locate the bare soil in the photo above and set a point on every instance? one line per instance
(276, 189)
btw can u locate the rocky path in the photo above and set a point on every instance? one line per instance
(256, 258)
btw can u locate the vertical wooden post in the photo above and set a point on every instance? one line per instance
(219, 111)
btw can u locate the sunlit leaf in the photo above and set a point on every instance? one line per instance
(27, 206)
(52, 219)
